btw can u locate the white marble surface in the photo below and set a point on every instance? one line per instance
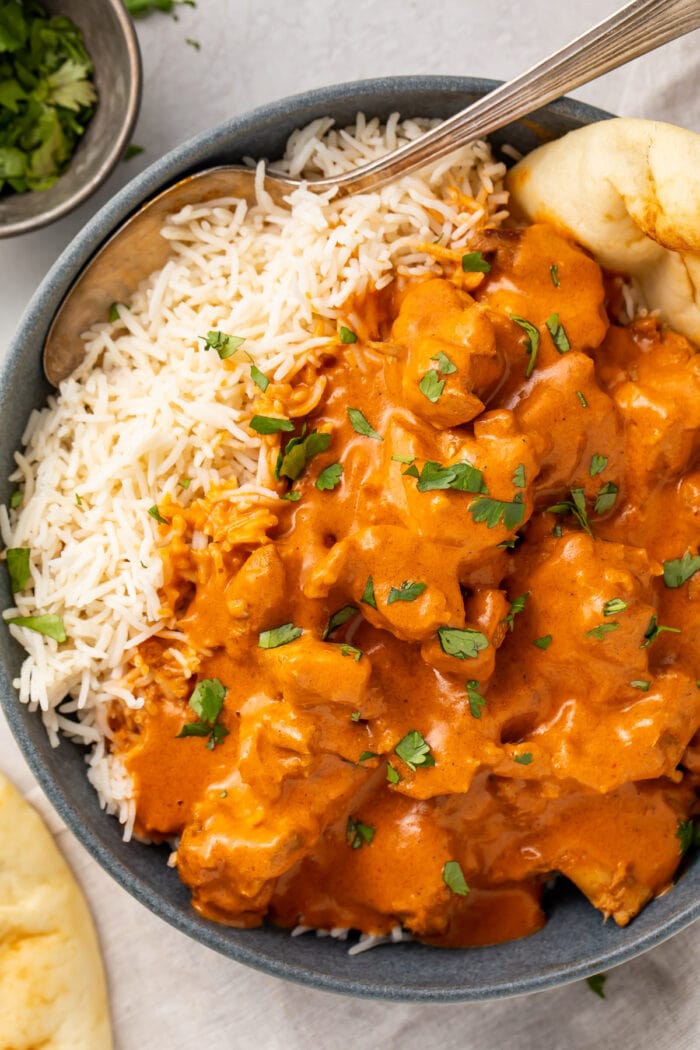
(166, 991)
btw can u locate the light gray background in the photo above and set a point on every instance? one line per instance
(166, 991)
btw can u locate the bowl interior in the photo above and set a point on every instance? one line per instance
(112, 44)
(575, 942)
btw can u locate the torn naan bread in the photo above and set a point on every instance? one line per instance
(629, 191)
(52, 986)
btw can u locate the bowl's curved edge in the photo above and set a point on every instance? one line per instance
(65, 783)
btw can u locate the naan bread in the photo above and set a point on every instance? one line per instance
(52, 986)
(629, 191)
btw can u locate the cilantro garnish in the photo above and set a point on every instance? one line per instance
(615, 605)
(368, 593)
(544, 642)
(355, 716)
(193, 43)
(492, 511)
(338, 618)
(392, 775)
(601, 630)
(524, 758)
(16, 499)
(114, 312)
(431, 386)
(407, 592)
(139, 8)
(605, 500)
(641, 683)
(225, 345)
(465, 644)
(576, 506)
(558, 333)
(680, 570)
(350, 650)
(18, 567)
(532, 342)
(155, 513)
(519, 476)
(367, 755)
(277, 636)
(329, 477)
(596, 982)
(462, 477)
(358, 834)
(270, 425)
(293, 496)
(298, 451)
(654, 629)
(361, 426)
(445, 366)
(516, 606)
(347, 335)
(453, 877)
(259, 378)
(554, 274)
(408, 460)
(476, 700)
(474, 262)
(79, 502)
(207, 702)
(48, 624)
(582, 398)
(132, 150)
(414, 750)
(598, 464)
(185, 483)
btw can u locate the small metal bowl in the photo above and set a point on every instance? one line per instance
(113, 47)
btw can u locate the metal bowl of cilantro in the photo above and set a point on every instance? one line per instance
(70, 89)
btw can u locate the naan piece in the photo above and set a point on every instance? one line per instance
(629, 191)
(52, 986)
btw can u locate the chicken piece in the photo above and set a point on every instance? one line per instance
(309, 672)
(258, 592)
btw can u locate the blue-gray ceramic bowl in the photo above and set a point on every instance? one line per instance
(575, 942)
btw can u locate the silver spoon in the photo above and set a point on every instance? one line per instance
(137, 249)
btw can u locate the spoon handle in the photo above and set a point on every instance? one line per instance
(635, 29)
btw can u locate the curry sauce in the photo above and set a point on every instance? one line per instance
(463, 652)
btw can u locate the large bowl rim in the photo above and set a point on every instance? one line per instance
(47, 296)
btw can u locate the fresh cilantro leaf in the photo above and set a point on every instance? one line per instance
(132, 150)
(185, 483)
(360, 425)
(688, 834)
(259, 378)
(598, 464)
(407, 592)
(605, 500)
(596, 982)
(368, 593)
(654, 629)
(207, 701)
(445, 366)
(193, 43)
(298, 452)
(641, 683)
(465, 644)
(277, 636)
(532, 342)
(350, 650)
(358, 834)
(558, 333)
(524, 758)
(544, 642)
(392, 775)
(78, 500)
(582, 398)
(16, 499)
(476, 700)
(367, 755)
(114, 314)
(293, 496)
(492, 511)
(462, 477)
(615, 605)
(48, 624)
(347, 335)
(414, 750)
(516, 606)
(453, 877)
(270, 425)
(155, 513)
(338, 618)
(329, 477)
(576, 506)
(601, 630)
(18, 567)
(139, 8)
(474, 262)
(225, 345)
(680, 570)
(554, 274)
(431, 386)
(557, 531)
(408, 460)
(355, 716)
(519, 476)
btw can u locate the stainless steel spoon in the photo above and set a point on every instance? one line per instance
(137, 249)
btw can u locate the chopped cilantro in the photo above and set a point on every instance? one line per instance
(338, 618)
(259, 378)
(462, 477)
(532, 342)
(641, 683)
(207, 701)
(18, 567)
(132, 150)
(155, 513)
(476, 700)
(414, 750)
(601, 630)
(598, 464)
(114, 312)
(270, 425)
(492, 511)
(48, 624)
(78, 500)
(524, 758)
(431, 386)
(407, 592)
(654, 629)
(392, 775)
(680, 570)
(16, 499)
(544, 642)
(554, 274)
(368, 593)
(615, 605)
(225, 345)
(277, 636)
(298, 452)
(605, 500)
(408, 460)
(193, 43)
(519, 476)
(185, 483)
(293, 496)
(558, 333)
(445, 365)
(596, 982)
(329, 477)
(355, 716)
(358, 834)
(576, 506)
(453, 877)
(360, 425)
(347, 335)
(350, 650)
(582, 398)
(516, 606)
(474, 262)
(367, 755)
(465, 644)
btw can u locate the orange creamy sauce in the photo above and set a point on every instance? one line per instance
(565, 767)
